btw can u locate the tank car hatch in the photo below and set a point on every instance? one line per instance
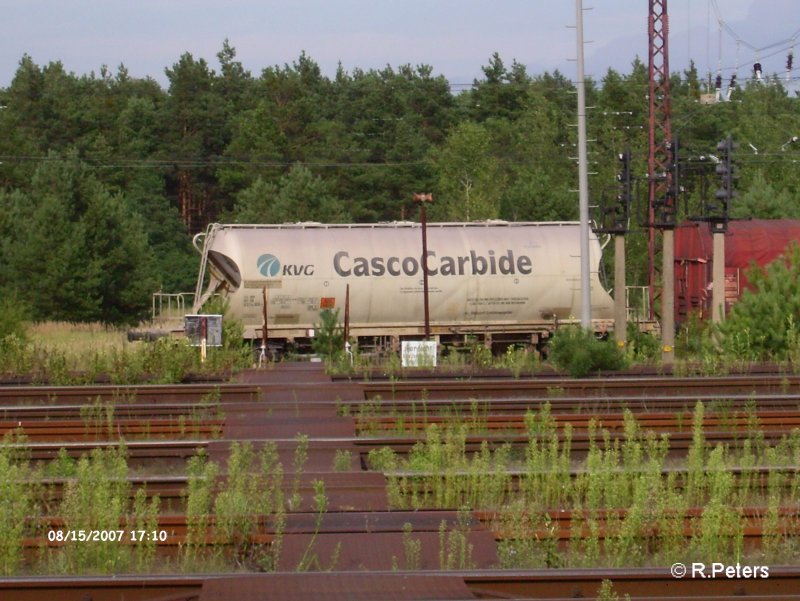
(227, 268)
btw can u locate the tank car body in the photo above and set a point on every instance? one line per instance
(747, 242)
(500, 281)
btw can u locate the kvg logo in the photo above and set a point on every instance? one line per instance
(268, 265)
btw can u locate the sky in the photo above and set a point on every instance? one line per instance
(455, 37)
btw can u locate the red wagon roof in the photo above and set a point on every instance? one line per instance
(759, 240)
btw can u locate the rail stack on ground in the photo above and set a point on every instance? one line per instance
(360, 546)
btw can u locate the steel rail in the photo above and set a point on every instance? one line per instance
(655, 583)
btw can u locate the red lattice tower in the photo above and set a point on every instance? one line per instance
(661, 206)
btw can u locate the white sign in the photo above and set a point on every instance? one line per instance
(418, 353)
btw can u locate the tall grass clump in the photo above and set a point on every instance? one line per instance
(227, 513)
(17, 504)
(250, 497)
(96, 499)
(546, 477)
(455, 550)
(235, 516)
(439, 472)
(200, 489)
(144, 518)
(719, 531)
(629, 503)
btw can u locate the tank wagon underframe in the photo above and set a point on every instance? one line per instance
(497, 335)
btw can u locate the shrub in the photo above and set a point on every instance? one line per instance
(13, 317)
(579, 352)
(641, 345)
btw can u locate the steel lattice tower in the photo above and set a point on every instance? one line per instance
(661, 205)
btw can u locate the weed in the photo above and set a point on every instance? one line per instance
(233, 505)
(96, 499)
(98, 418)
(342, 460)
(144, 519)
(606, 592)
(200, 487)
(696, 476)
(309, 558)
(63, 466)
(17, 505)
(455, 550)
(298, 463)
(412, 548)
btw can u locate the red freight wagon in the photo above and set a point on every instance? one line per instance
(746, 241)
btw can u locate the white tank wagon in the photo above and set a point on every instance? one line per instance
(499, 281)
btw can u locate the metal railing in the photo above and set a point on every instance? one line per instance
(170, 307)
(637, 303)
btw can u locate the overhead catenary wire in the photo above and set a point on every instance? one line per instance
(785, 45)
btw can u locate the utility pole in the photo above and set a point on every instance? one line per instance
(583, 177)
(422, 199)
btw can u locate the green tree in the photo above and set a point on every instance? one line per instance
(502, 94)
(298, 196)
(195, 134)
(765, 323)
(76, 252)
(257, 147)
(764, 201)
(469, 177)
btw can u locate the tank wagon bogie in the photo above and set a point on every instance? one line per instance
(499, 282)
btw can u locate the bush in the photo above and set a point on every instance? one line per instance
(641, 345)
(13, 317)
(579, 352)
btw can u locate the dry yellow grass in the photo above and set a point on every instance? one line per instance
(77, 339)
